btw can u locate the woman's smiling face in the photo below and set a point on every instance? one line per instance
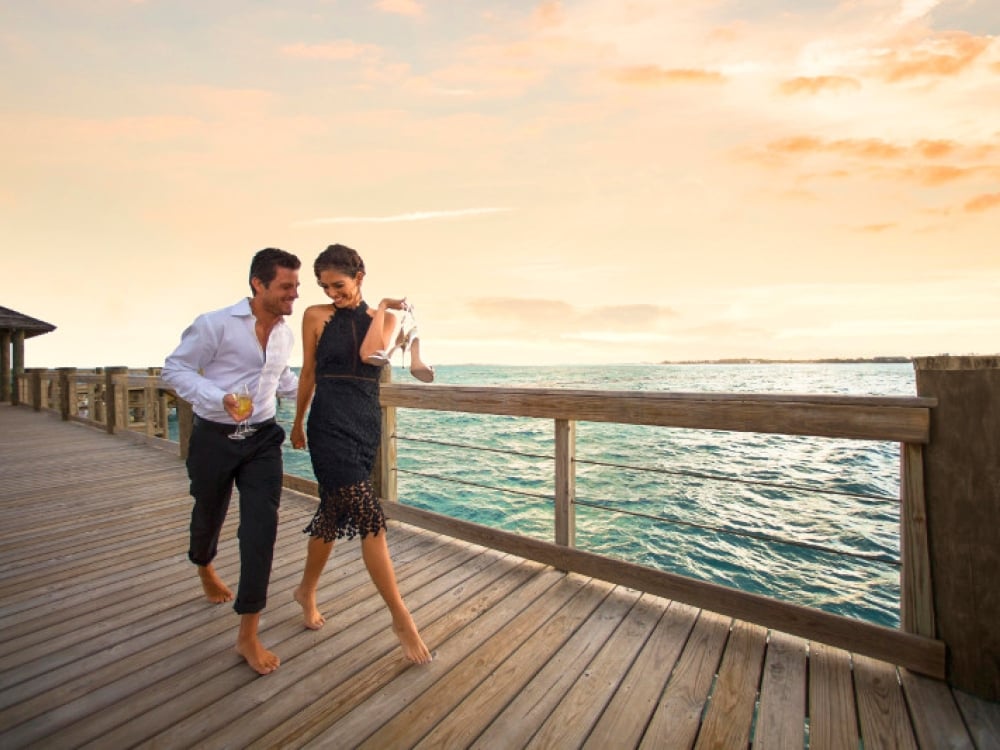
(343, 290)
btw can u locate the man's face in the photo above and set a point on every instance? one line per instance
(278, 296)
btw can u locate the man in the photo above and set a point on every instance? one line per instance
(248, 344)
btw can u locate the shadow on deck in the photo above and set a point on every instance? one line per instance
(105, 640)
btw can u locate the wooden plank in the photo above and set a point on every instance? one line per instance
(937, 722)
(905, 420)
(881, 708)
(155, 656)
(916, 592)
(833, 722)
(982, 717)
(502, 684)
(570, 723)
(781, 717)
(915, 652)
(677, 718)
(313, 663)
(565, 483)
(54, 677)
(625, 719)
(730, 712)
(362, 674)
(515, 726)
(962, 476)
(415, 702)
(139, 702)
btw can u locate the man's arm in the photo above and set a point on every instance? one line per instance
(182, 368)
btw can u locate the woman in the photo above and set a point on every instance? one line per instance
(339, 388)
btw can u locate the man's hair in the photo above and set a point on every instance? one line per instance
(265, 263)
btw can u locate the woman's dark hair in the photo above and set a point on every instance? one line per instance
(266, 262)
(339, 258)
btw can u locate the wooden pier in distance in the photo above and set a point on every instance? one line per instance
(106, 641)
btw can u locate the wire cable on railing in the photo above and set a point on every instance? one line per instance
(466, 446)
(750, 534)
(872, 557)
(672, 472)
(738, 480)
(474, 484)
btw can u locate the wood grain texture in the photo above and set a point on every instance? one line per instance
(128, 653)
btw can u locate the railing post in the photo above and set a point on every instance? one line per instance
(99, 409)
(916, 590)
(150, 401)
(6, 381)
(962, 486)
(35, 386)
(112, 401)
(67, 392)
(17, 368)
(565, 477)
(384, 475)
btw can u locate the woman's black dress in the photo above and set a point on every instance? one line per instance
(343, 430)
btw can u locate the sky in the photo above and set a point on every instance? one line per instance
(556, 182)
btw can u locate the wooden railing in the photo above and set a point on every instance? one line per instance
(120, 400)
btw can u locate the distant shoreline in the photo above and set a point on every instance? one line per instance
(824, 361)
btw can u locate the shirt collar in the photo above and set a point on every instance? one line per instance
(242, 308)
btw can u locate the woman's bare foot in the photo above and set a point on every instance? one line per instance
(412, 644)
(311, 616)
(259, 658)
(215, 590)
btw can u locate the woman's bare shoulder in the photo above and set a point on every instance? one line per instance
(318, 311)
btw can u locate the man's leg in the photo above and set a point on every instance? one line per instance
(209, 466)
(258, 480)
(248, 646)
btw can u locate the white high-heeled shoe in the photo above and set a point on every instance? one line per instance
(382, 357)
(418, 368)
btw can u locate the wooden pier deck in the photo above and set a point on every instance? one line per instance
(105, 641)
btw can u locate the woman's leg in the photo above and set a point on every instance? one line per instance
(317, 553)
(375, 551)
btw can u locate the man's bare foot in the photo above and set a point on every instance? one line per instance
(259, 658)
(412, 644)
(215, 590)
(311, 616)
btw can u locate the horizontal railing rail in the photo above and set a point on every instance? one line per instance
(132, 401)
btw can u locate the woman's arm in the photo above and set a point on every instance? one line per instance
(383, 324)
(312, 326)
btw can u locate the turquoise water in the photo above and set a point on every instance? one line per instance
(695, 482)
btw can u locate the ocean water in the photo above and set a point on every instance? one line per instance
(812, 521)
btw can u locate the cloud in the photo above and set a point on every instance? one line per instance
(935, 149)
(876, 228)
(941, 56)
(860, 147)
(409, 8)
(412, 216)
(343, 49)
(654, 75)
(969, 161)
(625, 316)
(982, 203)
(546, 314)
(818, 84)
(940, 175)
(548, 14)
